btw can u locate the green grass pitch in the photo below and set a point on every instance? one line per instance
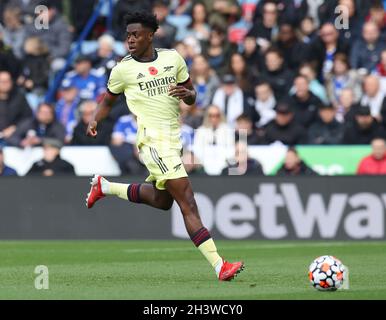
(176, 270)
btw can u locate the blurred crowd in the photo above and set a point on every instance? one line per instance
(281, 71)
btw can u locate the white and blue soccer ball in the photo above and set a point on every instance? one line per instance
(326, 273)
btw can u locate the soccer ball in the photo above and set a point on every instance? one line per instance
(326, 273)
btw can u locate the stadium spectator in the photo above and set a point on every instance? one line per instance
(57, 37)
(304, 102)
(373, 95)
(266, 29)
(367, 51)
(276, 74)
(252, 55)
(218, 50)
(347, 108)
(375, 163)
(242, 163)
(8, 61)
(294, 165)
(35, 70)
(326, 130)
(246, 130)
(307, 32)
(67, 108)
(89, 83)
(205, 81)
(199, 27)
(323, 49)
(31, 132)
(292, 11)
(265, 103)
(186, 50)
(242, 72)
(51, 164)
(364, 128)
(105, 128)
(104, 58)
(232, 101)
(123, 146)
(121, 8)
(214, 140)
(14, 108)
(166, 33)
(27, 8)
(5, 171)
(239, 29)
(293, 50)
(377, 14)
(308, 71)
(222, 12)
(354, 21)
(14, 31)
(326, 10)
(284, 128)
(340, 77)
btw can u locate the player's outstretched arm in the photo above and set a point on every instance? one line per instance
(184, 91)
(102, 111)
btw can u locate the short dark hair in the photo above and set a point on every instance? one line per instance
(147, 19)
(244, 117)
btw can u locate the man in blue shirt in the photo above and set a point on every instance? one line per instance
(90, 84)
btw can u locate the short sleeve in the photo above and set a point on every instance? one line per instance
(182, 70)
(116, 84)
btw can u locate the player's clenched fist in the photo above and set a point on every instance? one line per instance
(92, 129)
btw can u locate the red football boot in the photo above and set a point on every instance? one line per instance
(95, 192)
(230, 270)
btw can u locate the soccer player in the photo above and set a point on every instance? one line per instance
(153, 81)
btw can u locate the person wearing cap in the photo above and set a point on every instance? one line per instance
(90, 83)
(232, 101)
(375, 163)
(5, 171)
(51, 164)
(283, 128)
(67, 107)
(363, 129)
(326, 130)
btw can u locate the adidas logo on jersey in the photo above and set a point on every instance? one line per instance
(140, 76)
(168, 68)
